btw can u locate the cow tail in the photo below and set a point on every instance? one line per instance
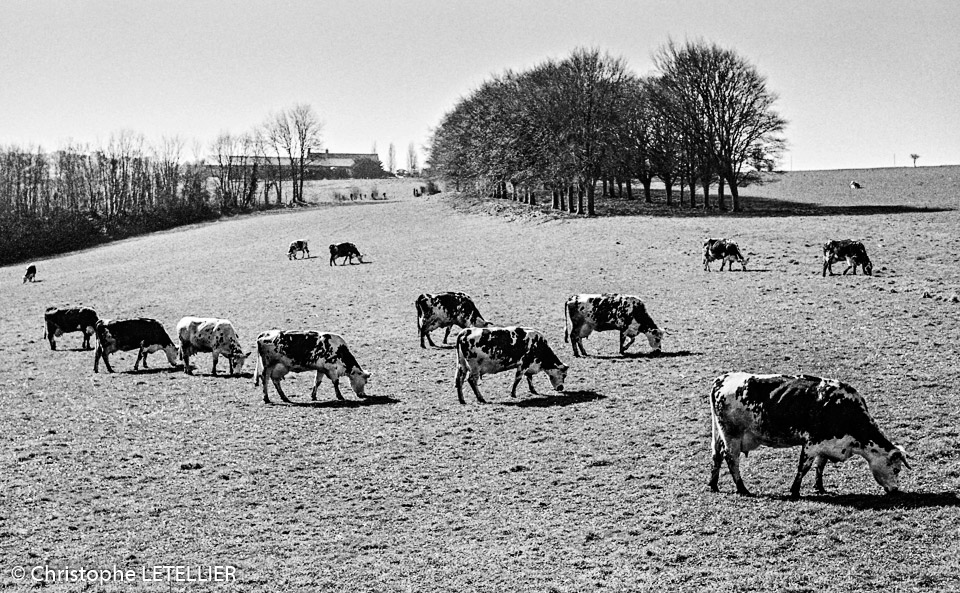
(416, 304)
(566, 323)
(258, 371)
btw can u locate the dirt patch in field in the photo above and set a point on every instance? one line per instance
(603, 487)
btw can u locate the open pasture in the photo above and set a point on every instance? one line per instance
(599, 488)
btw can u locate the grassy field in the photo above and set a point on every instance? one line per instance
(599, 489)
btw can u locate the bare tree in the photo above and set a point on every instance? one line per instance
(392, 158)
(412, 163)
(914, 157)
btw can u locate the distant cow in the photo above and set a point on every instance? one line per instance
(31, 274)
(296, 246)
(853, 252)
(344, 250)
(587, 313)
(210, 335)
(142, 334)
(826, 418)
(855, 185)
(485, 351)
(725, 251)
(59, 321)
(280, 352)
(446, 309)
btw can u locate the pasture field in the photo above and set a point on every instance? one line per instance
(602, 488)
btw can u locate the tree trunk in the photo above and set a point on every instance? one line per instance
(590, 200)
(735, 196)
(721, 203)
(629, 189)
(556, 199)
(571, 203)
(647, 182)
(706, 194)
(531, 198)
(619, 188)
(604, 193)
(580, 200)
(668, 187)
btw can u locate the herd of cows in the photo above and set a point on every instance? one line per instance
(828, 419)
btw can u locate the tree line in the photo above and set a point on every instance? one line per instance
(80, 196)
(705, 118)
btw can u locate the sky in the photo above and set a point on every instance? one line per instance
(861, 84)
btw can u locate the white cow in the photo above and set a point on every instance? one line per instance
(217, 336)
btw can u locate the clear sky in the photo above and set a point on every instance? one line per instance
(861, 83)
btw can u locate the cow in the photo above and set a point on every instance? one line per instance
(489, 350)
(31, 274)
(855, 185)
(828, 419)
(142, 334)
(344, 250)
(59, 321)
(725, 251)
(586, 313)
(280, 352)
(853, 252)
(217, 336)
(296, 246)
(446, 309)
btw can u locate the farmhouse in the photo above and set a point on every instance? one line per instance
(317, 165)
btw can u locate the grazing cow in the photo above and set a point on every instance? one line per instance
(344, 250)
(280, 352)
(70, 319)
(31, 274)
(484, 351)
(142, 334)
(827, 418)
(446, 309)
(296, 246)
(210, 335)
(855, 185)
(602, 312)
(726, 251)
(852, 251)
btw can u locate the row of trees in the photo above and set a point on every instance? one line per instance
(566, 125)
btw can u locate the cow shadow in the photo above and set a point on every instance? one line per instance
(152, 371)
(901, 500)
(650, 355)
(370, 400)
(567, 398)
(223, 375)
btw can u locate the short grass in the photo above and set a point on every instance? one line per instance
(602, 488)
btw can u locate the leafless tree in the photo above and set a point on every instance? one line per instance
(914, 157)
(413, 164)
(392, 158)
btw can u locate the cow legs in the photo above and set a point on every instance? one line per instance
(530, 385)
(140, 354)
(276, 385)
(316, 384)
(336, 388)
(806, 462)
(516, 381)
(723, 262)
(827, 268)
(426, 332)
(86, 340)
(185, 355)
(624, 346)
(732, 454)
(820, 464)
(447, 334)
(717, 460)
(576, 340)
(461, 375)
(472, 380)
(216, 357)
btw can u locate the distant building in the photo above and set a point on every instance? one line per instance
(318, 165)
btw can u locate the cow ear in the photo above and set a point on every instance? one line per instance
(901, 455)
(366, 375)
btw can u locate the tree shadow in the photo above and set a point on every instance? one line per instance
(901, 500)
(656, 354)
(370, 400)
(550, 401)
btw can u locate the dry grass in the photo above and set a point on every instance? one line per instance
(603, 488)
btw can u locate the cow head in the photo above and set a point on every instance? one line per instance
(868, 268)
(654, 337)
(886, 467)
(173, 353)
(238, 358)
(358, 380)
(557, 376)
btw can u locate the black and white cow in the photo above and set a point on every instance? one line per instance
(142, 334)
(725, 251)
(59, 321)
(826, 418)
(298, 246)
(446, 309)
(853, 252)
(31, 274)
(217, 336)
(489, 350)
(280, 352)
(855, 185)
(344, 250)
(587, 313)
